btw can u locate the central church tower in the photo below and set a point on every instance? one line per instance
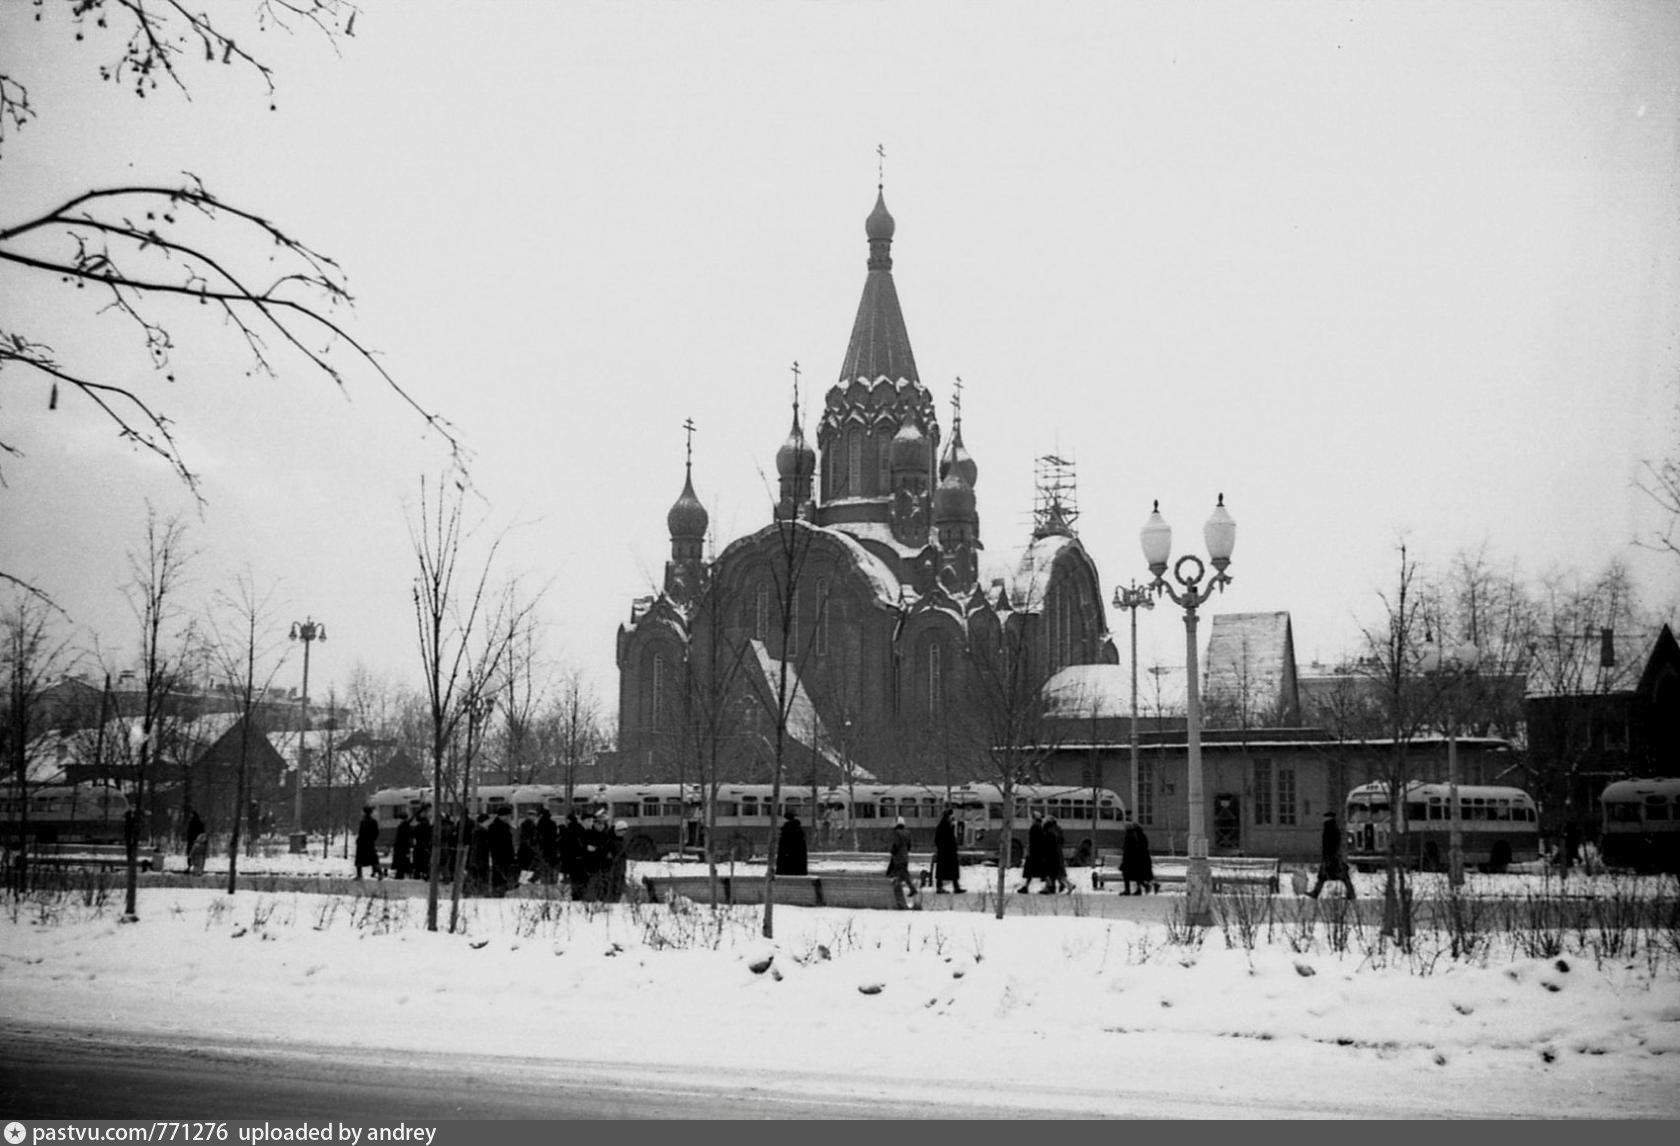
(878, 437)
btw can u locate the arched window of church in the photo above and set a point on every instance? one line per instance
(657, 715)
(819, 637)
(854, 462)
(761, 614)
(793, 650)
(883, 462)
(935, 682)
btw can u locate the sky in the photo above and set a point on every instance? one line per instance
(1375, 272)
(1095, 1012)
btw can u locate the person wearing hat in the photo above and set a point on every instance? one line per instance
(947, 866)
(614, 862)
(367, 844)
(1331, 865)
(502, 855)
(898, 867)
(791, 858)
(1035, 864)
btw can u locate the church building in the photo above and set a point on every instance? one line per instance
(865, 625)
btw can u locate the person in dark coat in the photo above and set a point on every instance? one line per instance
(402, 847)
(898, 867)
(500, 853)
(593, 858)
(198, 843)
(790, 847)
(946, 865)
(527, 858)
(422, 858)
(478, 855)
(367, 844)
(1032, 864)
(1055, 860)
(449, 847)
(548, 846)
(1136, 866)
(1331, 865)
(571, 854)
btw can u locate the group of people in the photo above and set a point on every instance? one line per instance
(587, 854)
(1044, 859)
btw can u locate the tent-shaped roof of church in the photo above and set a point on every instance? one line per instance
(880, 343)
(1251, 664)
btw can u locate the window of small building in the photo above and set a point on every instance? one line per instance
(1262, 792)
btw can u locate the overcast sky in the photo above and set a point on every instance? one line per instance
(1372, 271)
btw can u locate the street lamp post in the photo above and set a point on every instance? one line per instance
(1220, 536)
(1452, 663)
(307, 631)
(1132, 599)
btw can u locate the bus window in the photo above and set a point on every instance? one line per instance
(626, 811)
(1656, 808)
(671, 809)
(930, 808)
(863, 811)
(1414, 811)
(728, 808)
(889, 808)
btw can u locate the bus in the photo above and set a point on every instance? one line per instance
(64, 813)
(1641, 826)
(669, 818)
(1497, 826)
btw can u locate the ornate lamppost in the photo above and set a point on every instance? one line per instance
(1131, 599)
(1220, 536)
(307, 631)
(1451, 664)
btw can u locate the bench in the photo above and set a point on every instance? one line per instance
(104, 857)
(835, 889)
(1227, 871)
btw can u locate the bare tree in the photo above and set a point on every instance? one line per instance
(1005, 709)
(156, 575)
(36, 654)
(159, 259)
(454, 610)
(1661, 483)
(249, 649)
(571, 731)
(1395, 645)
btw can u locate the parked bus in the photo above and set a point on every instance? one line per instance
(665, 818)
(64, 813)
(1641, 828)
(1497, 826)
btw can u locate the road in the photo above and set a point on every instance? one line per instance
(79, 1073)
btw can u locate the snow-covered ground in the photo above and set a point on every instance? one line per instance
(1073, 998)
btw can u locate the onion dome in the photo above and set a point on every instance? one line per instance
(796, 458)
(687, 519)
(953, 499)
(909, 449)
(880, 223)
(957, 458)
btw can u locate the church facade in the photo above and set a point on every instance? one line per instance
(863, 631)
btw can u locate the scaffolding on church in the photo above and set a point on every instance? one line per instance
(1056, 496)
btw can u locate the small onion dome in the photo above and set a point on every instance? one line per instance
(796, 458)
(880, 223)
(957, 459)
(953, 499)
(909, 448)
(688, 518)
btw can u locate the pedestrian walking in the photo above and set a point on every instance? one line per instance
(1033, 863)
(898, 868)
(1055, 859)
(946, 865)
(198, 843)
(527, 857)
(421, 862)
(616, 859)
(791, 857)
(402, 846)
(548, 846)
(502, 857)
(367, 844)
(1136, 866)
(1331, 866)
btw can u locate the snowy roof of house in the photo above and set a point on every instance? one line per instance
(1250, 661)
(804, 723)
(1632, 651)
